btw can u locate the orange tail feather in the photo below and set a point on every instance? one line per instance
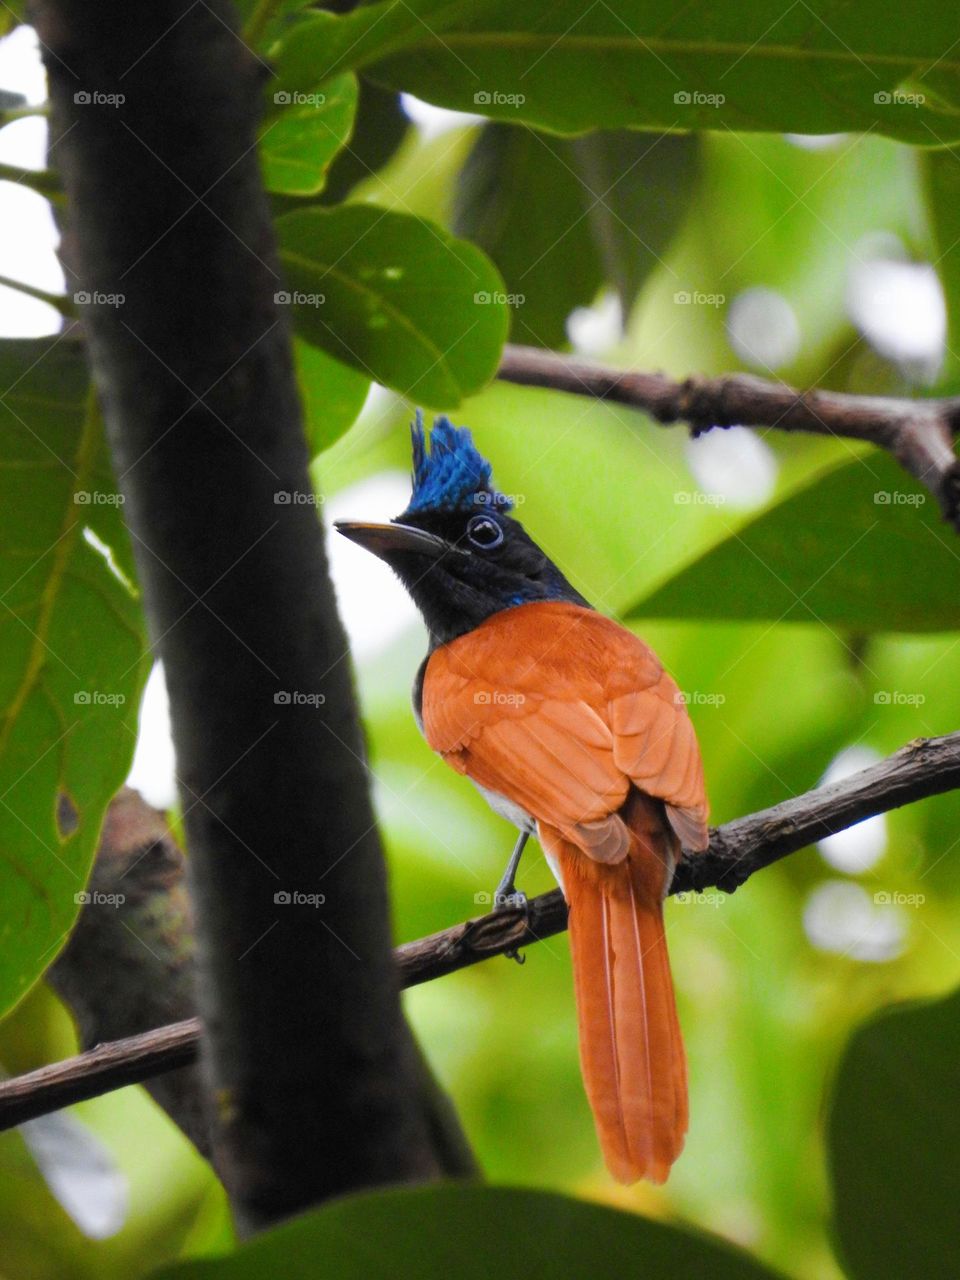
(631, 1051)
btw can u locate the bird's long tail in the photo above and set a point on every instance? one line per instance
(631, 1051)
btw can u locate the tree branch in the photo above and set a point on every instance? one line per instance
(918, 433)
(313, 1071)
(924, 767)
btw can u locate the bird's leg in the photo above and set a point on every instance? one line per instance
(507, 895)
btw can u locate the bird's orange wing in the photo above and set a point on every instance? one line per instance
(560, 709)
(572, 718)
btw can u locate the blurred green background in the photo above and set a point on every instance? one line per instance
(837, 237)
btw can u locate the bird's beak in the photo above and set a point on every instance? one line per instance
(386, 539)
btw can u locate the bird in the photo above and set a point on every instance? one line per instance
(571, 729)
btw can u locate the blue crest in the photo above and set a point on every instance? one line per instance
(452, 476)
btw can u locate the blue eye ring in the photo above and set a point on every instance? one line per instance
(484, 532)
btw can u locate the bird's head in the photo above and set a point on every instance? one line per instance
(456, 548)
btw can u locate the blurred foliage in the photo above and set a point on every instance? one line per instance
(442, 1231)
(801, 615)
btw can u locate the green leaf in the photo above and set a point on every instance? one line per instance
(72, 650)
(473, 1233)
(520, 199)
(894, 1132)
(303, 133)
(332, 393)
(396, 298)
(861, 546)
(564, 67)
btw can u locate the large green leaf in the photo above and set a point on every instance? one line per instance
(860, 546)
(894, 1136)
(570, 67)
(395, 297)
(72, 651)
(303, 133)
(473, 1233)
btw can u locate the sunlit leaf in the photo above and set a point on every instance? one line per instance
(861, 546)
(303, 133)
(395, 297)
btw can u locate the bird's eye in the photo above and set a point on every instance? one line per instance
(484, 532)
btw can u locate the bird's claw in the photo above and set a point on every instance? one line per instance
(509, 898)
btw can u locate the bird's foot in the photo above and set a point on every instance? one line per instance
(507, 897)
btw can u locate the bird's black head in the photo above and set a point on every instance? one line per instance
(456, 548)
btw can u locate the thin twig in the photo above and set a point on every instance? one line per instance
(918, 433)
(924, 767)
(56, 300)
